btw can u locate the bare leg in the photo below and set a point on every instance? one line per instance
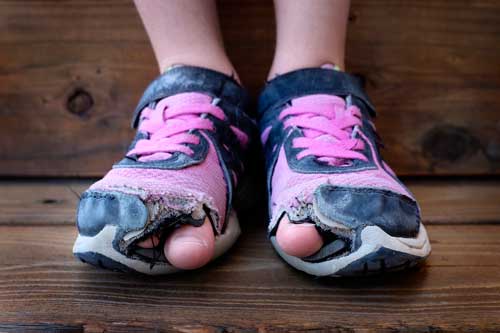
(185, 32)
(310, 34)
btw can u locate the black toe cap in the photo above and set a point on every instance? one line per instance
(394, 213)
(98, 209)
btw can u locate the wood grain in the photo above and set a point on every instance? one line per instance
(458, 201)
(442, 201)
(43, 287)
(72, 71)
(40, 202)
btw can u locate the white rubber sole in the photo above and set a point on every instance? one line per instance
(100, 247)
(373, 239)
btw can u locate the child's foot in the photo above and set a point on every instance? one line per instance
(336, 208)
(168, 204)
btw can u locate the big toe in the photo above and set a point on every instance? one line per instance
(298, 240)
(190, 247)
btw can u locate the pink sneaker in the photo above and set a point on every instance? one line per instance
(182, 167)
(324, 168)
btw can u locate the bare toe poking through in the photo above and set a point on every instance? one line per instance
(299, 240)
(190, 247)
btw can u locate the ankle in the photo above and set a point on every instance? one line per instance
(282, 66)
(220, 64)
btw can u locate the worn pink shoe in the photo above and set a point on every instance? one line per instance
(181, 169)
(336, 207)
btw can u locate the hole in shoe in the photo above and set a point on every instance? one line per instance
(334, 246)
(163, 229)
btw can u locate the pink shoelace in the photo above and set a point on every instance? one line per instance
(170, 126)
(329, 129)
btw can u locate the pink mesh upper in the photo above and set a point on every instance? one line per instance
(203, 183)
(289, 187)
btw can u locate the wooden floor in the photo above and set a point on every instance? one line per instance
(44, 289)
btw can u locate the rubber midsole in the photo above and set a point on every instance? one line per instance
(102, 244)
(372, 239)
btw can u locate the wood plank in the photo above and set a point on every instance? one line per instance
(442, 201)
(71, 73)
(40, 202)
(43, 287)
(458, 201)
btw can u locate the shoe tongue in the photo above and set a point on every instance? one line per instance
(187, 98)
(337, 103)
(318, 99)
(339, 110)
(321, 99)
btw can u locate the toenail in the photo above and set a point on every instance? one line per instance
(308, 225)
(190, 240)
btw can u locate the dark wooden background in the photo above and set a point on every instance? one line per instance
(72, 71)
